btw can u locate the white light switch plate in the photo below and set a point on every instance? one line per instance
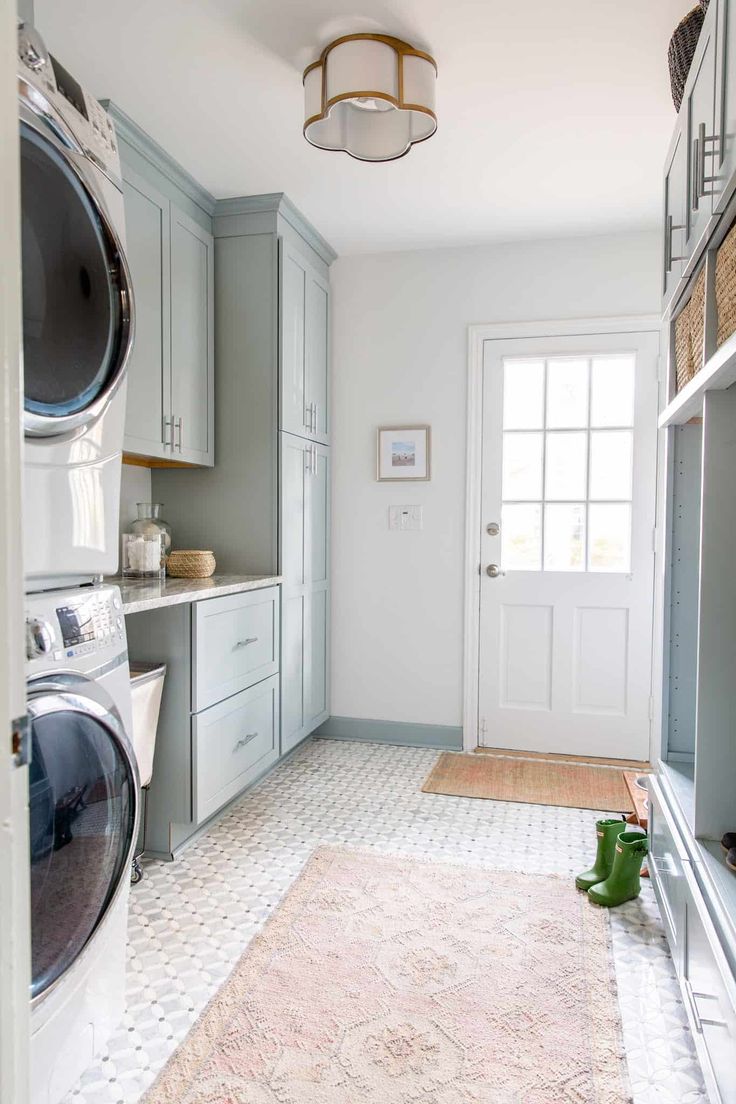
(405, 517)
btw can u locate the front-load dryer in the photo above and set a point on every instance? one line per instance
(77, 324)
(84, 794)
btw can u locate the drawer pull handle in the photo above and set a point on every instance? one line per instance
(244, 740)
(246, 642)
(699, 1020)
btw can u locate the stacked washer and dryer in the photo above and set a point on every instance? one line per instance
(77, 335)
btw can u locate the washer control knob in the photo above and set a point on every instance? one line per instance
(39, 638)
(31, 49)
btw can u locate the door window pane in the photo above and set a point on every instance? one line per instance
(611, 455)
(612, 399)
(566, 465)
(567, 393)
(523, 394)
(522, 466)
(564, 537)
(521, 537)
(609, 537)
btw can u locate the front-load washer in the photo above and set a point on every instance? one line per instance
(77, 323)
(84, 795)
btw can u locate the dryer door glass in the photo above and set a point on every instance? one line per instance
(82, 817)
(74, 315)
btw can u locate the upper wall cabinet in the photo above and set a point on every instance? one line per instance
(170, 406)
(304, 298)
(724, 159)
(700, 171)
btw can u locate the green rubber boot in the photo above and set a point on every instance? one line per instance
(623, 883)
(607, 832)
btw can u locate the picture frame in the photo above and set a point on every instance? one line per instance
(403, 454)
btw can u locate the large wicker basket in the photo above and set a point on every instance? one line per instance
(690, 335)
(726, 287)
(682, 49)
(190, 564)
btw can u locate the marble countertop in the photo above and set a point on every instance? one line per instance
(139, 595)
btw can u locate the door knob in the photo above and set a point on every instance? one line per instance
(494, 571)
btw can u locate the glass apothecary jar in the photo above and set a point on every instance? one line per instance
(150, 521)
(143, 555)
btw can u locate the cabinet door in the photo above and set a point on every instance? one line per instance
(724, 160)
(698, 107)
(147, 431)
(675, 204)
(192, 340)
(293, 299)
(316, 336)
(295, 459)
(318, 574)
(305, 565)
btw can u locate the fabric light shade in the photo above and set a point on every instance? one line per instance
(371, 96)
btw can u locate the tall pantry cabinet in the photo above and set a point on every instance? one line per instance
(264, 507)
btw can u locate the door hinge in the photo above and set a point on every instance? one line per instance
(20, 741)
(654, 538)
(660, 366)
(482, 729)
(651, 708)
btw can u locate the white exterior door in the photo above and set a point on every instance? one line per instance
(567, 544)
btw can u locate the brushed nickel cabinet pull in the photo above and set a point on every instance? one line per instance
(244, 740)
(179, 423)
(244, 643)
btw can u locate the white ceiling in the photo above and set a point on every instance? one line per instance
(554, 115)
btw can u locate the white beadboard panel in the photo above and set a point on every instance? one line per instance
(526, 657)
(601, 660)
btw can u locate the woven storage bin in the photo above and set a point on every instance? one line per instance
(726, 287)
(683, 349)
(682, 49)
(697, 322)
(190, 564)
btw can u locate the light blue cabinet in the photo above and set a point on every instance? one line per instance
(149, 375)
(724, 148)
(304, 297)
(170, 412)
(192, 413)
(305, 566)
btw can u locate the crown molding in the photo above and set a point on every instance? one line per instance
(278, 203)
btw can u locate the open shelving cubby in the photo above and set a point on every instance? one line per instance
(699, 740)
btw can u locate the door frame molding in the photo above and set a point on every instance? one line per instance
(477, 336)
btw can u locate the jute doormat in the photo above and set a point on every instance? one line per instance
(534, 781)
(383, 979)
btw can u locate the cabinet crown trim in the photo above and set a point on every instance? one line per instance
(278, 203)
(149, 148)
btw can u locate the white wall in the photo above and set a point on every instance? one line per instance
(399, 357)
(135, 486)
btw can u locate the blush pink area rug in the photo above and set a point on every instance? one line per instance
(391, 980)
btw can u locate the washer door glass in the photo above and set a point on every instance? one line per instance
(72, 309)
(82, 817)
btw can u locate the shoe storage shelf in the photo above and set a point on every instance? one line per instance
(693, 795)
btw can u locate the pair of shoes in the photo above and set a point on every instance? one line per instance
(728, 843)
(615, 875)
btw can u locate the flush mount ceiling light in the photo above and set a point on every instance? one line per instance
(370, 95)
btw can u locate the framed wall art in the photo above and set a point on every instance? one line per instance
(403, 453)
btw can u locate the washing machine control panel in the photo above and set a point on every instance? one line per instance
(65, 626)
(83, 114)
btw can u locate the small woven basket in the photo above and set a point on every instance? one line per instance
(726, 287)
(190, 564)
(683, 348)
(682, 49)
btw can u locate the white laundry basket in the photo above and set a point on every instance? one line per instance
(146, 687)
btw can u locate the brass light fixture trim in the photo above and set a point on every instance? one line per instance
(339, 116)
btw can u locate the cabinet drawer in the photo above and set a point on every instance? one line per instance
(666, 862)
(709, 989)
(232, 743)
(236, 644)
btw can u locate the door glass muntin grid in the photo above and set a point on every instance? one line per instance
(599, 526)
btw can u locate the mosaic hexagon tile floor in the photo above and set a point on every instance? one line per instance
(191, 920)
